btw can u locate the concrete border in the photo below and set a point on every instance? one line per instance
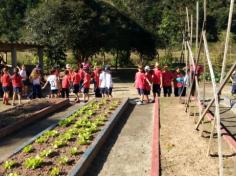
(60, 103)
(155, 167)
(81, 167)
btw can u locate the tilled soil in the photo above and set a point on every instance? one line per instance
(183, 151)
(25, 110)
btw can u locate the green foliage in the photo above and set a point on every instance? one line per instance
(28, 149)
(12, 174)
(9, 164)
(63, 160)
(55, 171)
(74, 151)
(46, 153)
(33, 162)
(59, 143)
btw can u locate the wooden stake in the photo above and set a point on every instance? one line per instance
(227, 40)
(217, 108)
(197, 27)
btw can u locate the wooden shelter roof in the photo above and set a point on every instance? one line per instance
(6, 46)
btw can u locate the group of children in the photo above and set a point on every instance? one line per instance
(156, 79)
(78, 80)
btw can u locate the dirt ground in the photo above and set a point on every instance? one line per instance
(183, 150)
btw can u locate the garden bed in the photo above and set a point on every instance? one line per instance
(59, 151)
(17, 117)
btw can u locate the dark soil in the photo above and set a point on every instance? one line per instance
(10, 116)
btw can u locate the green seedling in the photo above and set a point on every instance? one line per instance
(28, 149)
(66, 122)
(67, 136)
(51, 133)
(9, 164)
(33, 162)
(55, 171)
(41, 140)
(63, 160)
(46, 153)
(59, 143)
(74, 151)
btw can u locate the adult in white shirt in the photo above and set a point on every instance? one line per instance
(25, 81)
(106, 83)
(53, 81)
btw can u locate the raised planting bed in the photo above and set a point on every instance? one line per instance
(66, 148)
(18, 117)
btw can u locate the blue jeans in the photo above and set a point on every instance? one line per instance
(37, 91)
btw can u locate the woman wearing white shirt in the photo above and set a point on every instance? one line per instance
(106, 83)
(23, 74)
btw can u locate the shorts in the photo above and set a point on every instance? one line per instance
(54, 92)
(156, 89)
(76, 88)
(146, 92)
(86, 90)
(109, 91)
(167, 90)
(5, 89)
(103, 90)
(234, 89)
(140, 91)
(26, 82)
(17, 90)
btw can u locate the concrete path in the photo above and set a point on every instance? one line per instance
(128, 150)
(10, 143)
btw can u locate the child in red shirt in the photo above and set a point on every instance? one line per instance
(167, 77)
(17, 86)
(147, 82)
(96, 75)
(5, 79)
(66, 85)
(139, 83)
(157, 81)
(86, 84)
(76, 81)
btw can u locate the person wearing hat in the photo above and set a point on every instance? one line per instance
(157, 81)
(147, 82)
(167, 77)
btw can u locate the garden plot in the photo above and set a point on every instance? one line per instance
(15, 118)
(57, 151)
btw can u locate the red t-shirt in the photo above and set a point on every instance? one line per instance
(87, 79)
(139, 80)
(5, 79)
(76, 78)
(148, 77)
(167, 78)
(16, 80)
(96, 77)
(66, 82)
(157, 75)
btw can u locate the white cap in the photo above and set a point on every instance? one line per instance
(68, 66)
(147, 68)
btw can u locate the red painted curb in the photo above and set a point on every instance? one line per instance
(155, 168)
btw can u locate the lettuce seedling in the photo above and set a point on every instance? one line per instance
(55, 171)
(59, 143)
(12, 174)
(33, 162)
(63, 160)
(9, 164)
(28, 149)
(46, 153)
(74, 151)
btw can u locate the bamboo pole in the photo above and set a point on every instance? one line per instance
(191, 30)
(217, 108)
(188, 24)
(197, 27)
(227, 40)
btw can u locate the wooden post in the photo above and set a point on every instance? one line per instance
(40, 58)
(227, 40)
(191, 31)
(197, 27)
(13, 57)
(217, 108)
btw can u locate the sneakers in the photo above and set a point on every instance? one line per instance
(139, 103)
